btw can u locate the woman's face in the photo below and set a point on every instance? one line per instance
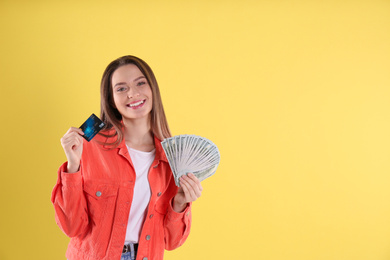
(131, 91)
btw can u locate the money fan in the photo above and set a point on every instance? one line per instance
(191, 153)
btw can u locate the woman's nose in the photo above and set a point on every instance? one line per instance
(133, 92)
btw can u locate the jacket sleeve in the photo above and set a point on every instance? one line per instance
(69, 202)
(176, 226)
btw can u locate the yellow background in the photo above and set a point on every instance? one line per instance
(294, 93)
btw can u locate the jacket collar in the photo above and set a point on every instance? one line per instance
(160, 154)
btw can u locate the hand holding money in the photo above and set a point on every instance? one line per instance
(189, 191)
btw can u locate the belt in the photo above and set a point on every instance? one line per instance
(130, 248)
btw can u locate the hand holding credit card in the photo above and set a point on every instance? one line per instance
(91, 127)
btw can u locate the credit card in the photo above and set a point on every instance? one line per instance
(91, 127)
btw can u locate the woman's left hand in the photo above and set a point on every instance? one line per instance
(190, 190)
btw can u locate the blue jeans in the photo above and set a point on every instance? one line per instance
(132, 254)
(127, 256)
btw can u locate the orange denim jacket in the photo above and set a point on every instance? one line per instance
(92, 205)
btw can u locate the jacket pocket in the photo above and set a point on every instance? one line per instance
(101, 199)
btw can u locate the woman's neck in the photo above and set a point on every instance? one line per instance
(138, 134)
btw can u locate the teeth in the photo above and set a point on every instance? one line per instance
(137, 104)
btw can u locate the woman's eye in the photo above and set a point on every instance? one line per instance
(141, 83)
(120, 89)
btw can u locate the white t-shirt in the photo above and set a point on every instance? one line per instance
(142, 162)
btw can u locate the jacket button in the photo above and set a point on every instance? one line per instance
(159, 194)
(98, 194)
(147, 237)
(151, 216)
(145, 258)
(155, 166)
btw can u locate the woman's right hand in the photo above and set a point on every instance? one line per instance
(72, 142)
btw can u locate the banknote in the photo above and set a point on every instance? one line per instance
(191, 154)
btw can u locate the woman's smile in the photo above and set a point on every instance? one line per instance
(136, 104)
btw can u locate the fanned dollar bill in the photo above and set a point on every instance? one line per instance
(191, 153)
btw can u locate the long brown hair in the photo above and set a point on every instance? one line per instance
(110, 115)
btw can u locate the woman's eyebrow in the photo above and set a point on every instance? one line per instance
(124, 83)
(119, 83)
(140, 77)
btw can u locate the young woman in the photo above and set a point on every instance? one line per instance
(115, 196)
